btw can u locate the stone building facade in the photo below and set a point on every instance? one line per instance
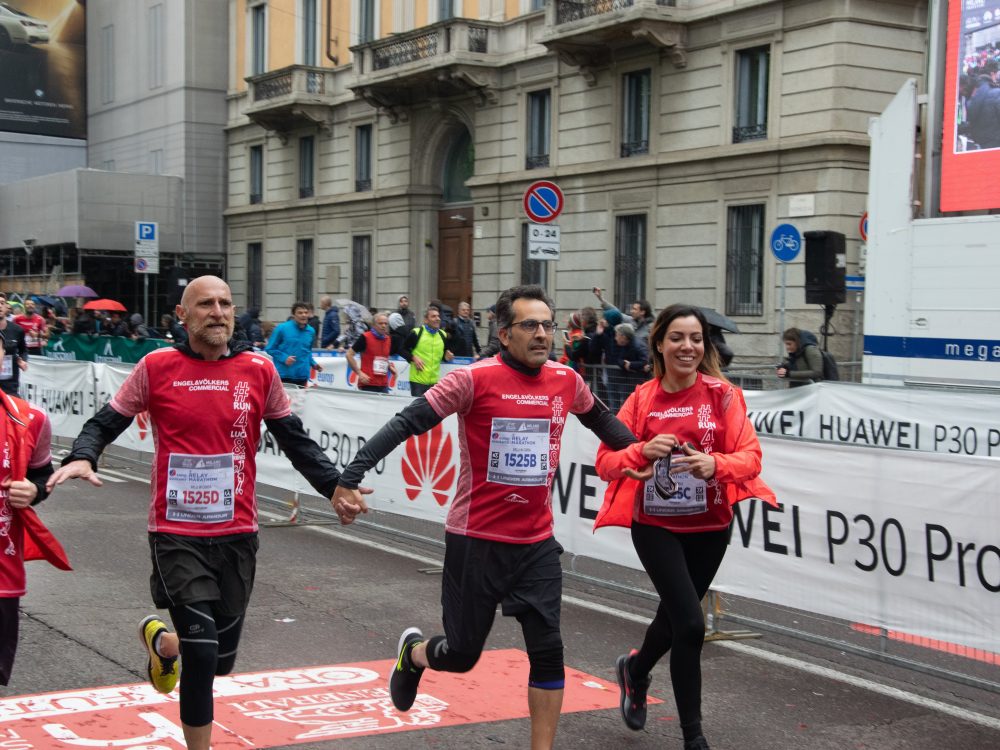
(681, 132)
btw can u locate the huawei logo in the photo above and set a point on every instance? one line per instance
(143, 423)
(428, 461)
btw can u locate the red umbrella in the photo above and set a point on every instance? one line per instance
(104, 304)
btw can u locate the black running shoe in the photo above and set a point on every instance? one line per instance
(404, 677)
(698, 743)
(633, 693)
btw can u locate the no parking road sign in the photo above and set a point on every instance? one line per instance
(147, 247)
(543, 201)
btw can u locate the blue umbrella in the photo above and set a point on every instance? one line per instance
(54, 302)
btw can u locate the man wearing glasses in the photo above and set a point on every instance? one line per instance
(499, 544)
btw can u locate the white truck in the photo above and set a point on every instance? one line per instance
(932, 285)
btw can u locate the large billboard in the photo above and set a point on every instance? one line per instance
(43, 67)
(970, 160)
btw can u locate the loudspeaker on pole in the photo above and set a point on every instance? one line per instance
(826, 268)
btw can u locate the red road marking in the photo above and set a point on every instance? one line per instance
(918, 640)
(269, 709)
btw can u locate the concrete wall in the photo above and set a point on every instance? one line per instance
(23, 156)
(182, 118)
(90, 209)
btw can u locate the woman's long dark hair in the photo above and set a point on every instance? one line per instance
(709, 364)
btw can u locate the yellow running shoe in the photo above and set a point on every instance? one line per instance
(162, 672)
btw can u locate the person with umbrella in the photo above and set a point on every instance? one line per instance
(359, 319)
(15, 351)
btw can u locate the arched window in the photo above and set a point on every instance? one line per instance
(459, 166)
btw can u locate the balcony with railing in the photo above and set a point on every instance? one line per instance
(289, 98)
(445, 59)
(585, 33)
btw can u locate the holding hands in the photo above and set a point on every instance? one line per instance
(348, 503)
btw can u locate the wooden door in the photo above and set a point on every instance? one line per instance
(455, 256)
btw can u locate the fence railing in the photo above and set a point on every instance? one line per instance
(613, 385)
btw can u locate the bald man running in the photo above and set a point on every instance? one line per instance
(206, 399)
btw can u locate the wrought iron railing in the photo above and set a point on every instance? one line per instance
(749, 132)
(536, 161)
(633, 148)
(456, 36)
(362, 186)
(273, 87)
(404, 51)
(287, 82)
(315, 82)
(478, 39)
(574, 10)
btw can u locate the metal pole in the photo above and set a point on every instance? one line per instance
(781, 315)
(145, 298)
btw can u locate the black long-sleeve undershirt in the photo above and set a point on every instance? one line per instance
(307, 457)
(420, 416)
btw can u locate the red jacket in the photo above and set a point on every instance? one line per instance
(737, 462)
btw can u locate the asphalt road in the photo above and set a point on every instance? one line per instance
(331, 596)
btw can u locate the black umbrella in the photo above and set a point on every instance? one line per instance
(717, 319)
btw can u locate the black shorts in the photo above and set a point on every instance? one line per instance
(479, 574)
(217, 569)
(9, 620)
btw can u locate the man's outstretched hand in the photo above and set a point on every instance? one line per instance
(79, 469)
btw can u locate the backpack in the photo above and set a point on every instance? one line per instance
(830, 369)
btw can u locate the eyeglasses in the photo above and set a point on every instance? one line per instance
(530, 326)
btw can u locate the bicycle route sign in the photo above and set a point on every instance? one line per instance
(543, 201)
(786, 242)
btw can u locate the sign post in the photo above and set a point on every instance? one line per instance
(543, 202)
(786, 243)
(147, 258)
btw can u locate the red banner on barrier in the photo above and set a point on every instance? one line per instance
(270, 709)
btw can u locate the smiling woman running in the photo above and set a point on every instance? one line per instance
(697, 455)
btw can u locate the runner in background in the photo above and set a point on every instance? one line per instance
(25, 437)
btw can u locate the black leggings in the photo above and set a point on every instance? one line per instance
(681, 567)
(208, 648)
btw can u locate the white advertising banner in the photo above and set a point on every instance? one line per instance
(64, 389)
(947, 421)
(905, 541)
(902, 539)
(884, 538)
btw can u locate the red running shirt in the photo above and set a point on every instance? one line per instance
(700, 415)
(510, 429)
(39, 438)
(206, 418)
